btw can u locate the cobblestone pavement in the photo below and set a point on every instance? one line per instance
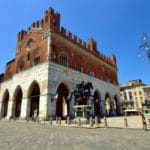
(16, 135)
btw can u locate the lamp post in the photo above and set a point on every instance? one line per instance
(145, 45)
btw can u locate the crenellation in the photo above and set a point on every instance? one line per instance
(45, 14)
(21, 35)
(41, 23)
(33, 25)
(79, 42)
(28, 30)
(84, 44)
(63, 31)
(69, 34)
(90, 45)
(74, 38)
(51, 10)
(37, 24)
(42, 70)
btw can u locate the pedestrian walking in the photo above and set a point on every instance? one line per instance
(144, 121)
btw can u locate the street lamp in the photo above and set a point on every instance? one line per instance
(145, 45)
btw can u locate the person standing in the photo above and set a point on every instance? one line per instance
(144, 121)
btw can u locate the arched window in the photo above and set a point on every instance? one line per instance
(90, 71)
(21, 64)
(36, 55)
(64, 59)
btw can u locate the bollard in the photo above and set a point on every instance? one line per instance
(44, 121)
(68, 120)
(148, 122)
(125, 122)
(50, 121)
(56, 120)
(79, 122)
(96, 121)
(91, 122)
(105, 122)
(59, 122)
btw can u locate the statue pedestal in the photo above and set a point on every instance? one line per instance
(82, 112)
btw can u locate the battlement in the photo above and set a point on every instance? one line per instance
(91, 46)
(51, 22)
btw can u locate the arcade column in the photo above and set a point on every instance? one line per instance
(10, 109)
(43, 104)
(24, 108)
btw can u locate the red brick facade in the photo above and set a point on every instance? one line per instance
(66, 49)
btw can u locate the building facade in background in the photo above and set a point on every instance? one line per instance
(134, 94)
(146, 105)
(51, 60)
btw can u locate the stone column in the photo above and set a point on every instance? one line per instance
(10, 109)
(91, 122)
(43, 107)
(105, 122)
(125, 122)
(1, 109)
(24, 108)
(51, 105)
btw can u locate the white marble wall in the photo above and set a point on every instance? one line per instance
(24, 79)
(49, 76)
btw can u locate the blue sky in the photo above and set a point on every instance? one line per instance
(116, 25)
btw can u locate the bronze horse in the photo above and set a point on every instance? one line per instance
(82, 93)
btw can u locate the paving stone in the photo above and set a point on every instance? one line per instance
(16, 135)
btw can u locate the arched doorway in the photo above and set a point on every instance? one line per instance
(96, 103)
(107, 104)
(34, 99)
(5, 104)
(17, 101)
(62, 105)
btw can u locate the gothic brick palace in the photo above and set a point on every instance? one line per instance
(49, 60)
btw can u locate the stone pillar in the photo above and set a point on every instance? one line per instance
(24, 108)
(10, 109)
(83, 114)
(51, 105)
(79, 122)
(125, 122)
(96, 121)
(56, 120)
(105, 122)
(59, 121)
(43, 107)
(51, 120)
(91, 122)
(1, 109)
(68, 120)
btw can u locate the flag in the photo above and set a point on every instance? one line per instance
(56, 97)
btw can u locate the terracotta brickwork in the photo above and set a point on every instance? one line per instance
(32, 49)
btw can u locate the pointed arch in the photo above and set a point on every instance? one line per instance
(97, 99)
(5, 101)
(18, 94)
(107, 103)
(62, 105)
(34, 99)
